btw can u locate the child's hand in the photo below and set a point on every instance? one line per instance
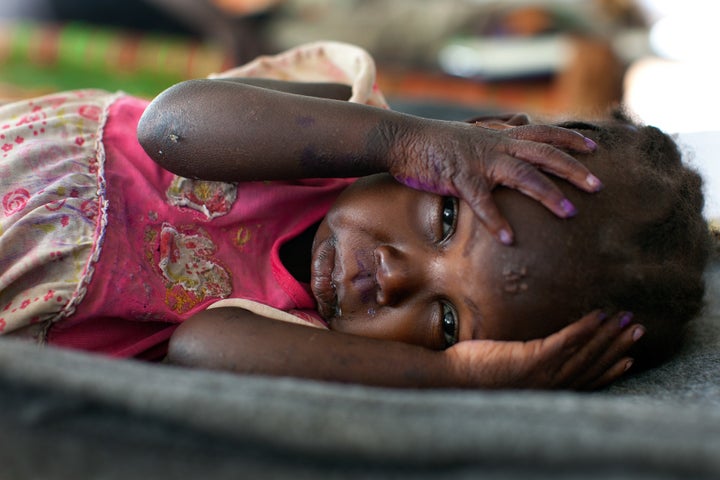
(587, 354)
(468, 161)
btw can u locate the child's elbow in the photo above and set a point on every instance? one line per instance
(184, 347)
(153, 132)
(161, 126)
(207, 340)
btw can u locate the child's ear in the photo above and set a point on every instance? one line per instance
(501, 121)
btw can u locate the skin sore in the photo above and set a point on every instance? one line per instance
(513, 279)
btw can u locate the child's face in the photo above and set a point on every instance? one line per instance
(396, 263)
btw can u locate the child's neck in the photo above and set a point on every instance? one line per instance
(296, 254)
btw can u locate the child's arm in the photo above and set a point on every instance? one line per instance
(232, 131)
(587, 354)
(332, 91)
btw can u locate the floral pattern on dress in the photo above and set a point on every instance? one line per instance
(214, 199)
(187, 265)
(52, 213)
(15, 201)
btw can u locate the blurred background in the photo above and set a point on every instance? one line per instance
(543, 57)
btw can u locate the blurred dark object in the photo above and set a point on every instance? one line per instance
(237, 27)
(238, 34)
(141, 15)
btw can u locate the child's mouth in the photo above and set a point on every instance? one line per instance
(322, 283)
(343, 277)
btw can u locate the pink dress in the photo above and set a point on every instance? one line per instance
(102, 250)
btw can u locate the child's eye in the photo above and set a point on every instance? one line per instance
(448, 217)
(449, 325)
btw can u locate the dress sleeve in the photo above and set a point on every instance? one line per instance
(319, 62)
(302, 318)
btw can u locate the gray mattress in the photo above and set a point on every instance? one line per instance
(72, 415)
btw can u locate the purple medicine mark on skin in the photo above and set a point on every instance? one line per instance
(417, 184)
(308, 157)
(363, 278)
(312, 160)
(305, 121)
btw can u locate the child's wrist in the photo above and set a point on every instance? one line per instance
(385, 143)
(406, 148)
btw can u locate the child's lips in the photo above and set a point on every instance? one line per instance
(340, 277)
(322, 284)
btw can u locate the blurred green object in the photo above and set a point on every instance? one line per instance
(41, 58)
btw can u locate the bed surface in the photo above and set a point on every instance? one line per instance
(72, 415)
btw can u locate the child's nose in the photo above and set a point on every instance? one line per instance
(398, 275)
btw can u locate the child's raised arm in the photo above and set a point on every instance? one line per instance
(232, 131)
(587, 354)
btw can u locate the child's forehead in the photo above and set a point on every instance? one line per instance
(538, 247)
(523, 288)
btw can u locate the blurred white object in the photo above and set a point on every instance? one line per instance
(675, 96)
(657, 9)
(499, 58)
(681, 97)
(703, 151)
(677, 90)
(688, 37)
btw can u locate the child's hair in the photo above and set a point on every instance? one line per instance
(652, 241)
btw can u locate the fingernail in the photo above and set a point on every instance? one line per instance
(638, 333)
(505, 237)
(568, 207)
(593, 182)
(628, 364)
(590, 143)
(625, 319)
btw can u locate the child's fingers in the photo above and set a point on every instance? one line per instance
(527, 179)
(612, 343)
(583, 343)
(557, 136)
(581, 331)
(556, 162)
(558, 353)
(483, 206)
(611, 374)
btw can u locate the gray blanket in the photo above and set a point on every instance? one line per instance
(72, 415)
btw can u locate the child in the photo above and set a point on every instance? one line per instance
(149, 250)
